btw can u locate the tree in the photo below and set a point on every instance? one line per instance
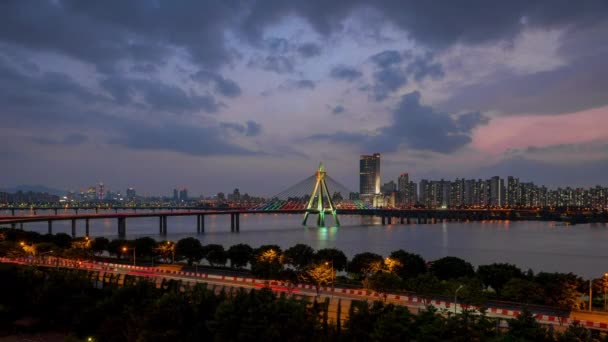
(319, 275)
(240, 255)
(62, 240)
(497, 275)
(215, 254)
(425, 285)
(408, 264)
(165, 249)
(333, 256)
(99, 245)
(383, 282)
(364, 264)
(115, 247)
(451, 267)
(299, 256)
(560, 289)
(395, 324)
(522, 291)
(266, 261)
(144, 246)
(189, 249)
(526, 328)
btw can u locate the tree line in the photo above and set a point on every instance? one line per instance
(399, 272)
(67, 301)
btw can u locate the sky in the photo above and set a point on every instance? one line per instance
(213, 95)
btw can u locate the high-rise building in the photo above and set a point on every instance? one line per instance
(403, 186)
(175, 195)
(131, 194)
(388, 188)
(100, 193)
(236, 195)
(92, 193)
(369, 175)
(183, 194)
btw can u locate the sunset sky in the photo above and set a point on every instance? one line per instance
(213, 95)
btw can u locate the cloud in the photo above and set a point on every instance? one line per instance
(223, 86)
(338, 109)
(187, 139)
(298, 85)
(308, 50)
(346, 73)
(416, 126)
(157, 95)
(277, 64)
(250, 129)
(70, 140)
(393, 70)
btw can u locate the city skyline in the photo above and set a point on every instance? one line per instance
(213, 94)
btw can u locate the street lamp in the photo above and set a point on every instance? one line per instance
(125, 249)
(456, 297)
(333, 275)
(172, 251)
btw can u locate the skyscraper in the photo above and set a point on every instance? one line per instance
(403, 184)
(369, 175)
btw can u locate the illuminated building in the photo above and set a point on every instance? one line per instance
(369, 175)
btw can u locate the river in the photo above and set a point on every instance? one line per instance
(541, 246)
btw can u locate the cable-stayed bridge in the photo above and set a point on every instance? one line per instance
(318, 195)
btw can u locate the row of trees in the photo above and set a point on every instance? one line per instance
(400, 271)
(66, 301)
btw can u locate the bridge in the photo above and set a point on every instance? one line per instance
(295, 200)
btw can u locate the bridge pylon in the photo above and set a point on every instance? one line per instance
(324, 204)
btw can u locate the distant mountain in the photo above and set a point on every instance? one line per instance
(34, 188)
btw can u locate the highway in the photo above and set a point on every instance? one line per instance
(598, 321)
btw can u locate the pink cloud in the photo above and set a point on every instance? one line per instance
(518, 132)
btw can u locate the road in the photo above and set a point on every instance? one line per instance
(598, 321)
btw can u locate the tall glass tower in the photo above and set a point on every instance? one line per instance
(369, 175)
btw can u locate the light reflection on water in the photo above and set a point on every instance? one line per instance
(528, 244)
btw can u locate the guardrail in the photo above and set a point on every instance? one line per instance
(362, 293)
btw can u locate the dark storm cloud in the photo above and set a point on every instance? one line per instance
(431, 23)
(223, 86)
(386, 59)
(70, 139)
(394, 68)
(277, 64)
(344, 72)
(250, 129)
(308, 50)
(417, 127)
(157, 95)
(103, 33)
(338, 109)
(187, 139)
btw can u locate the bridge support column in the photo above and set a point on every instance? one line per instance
(198, 224)
(160, 225)
(202, 223)
(122, 227)
(50, 231)
(96, 210)
(13, 225)
(76, 210)
(21, 225)
(232, 219)
(86, 227)
(55, 211)
(13, 211)
(407, 219)
(34, 212)
(73, 228)
(383, 219)
(402, 219)
(237, 223)
(116, 210)
(164, 225)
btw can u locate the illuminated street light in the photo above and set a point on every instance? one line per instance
(456, 297)
(125, 249)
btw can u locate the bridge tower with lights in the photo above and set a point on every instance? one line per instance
(320, 202)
